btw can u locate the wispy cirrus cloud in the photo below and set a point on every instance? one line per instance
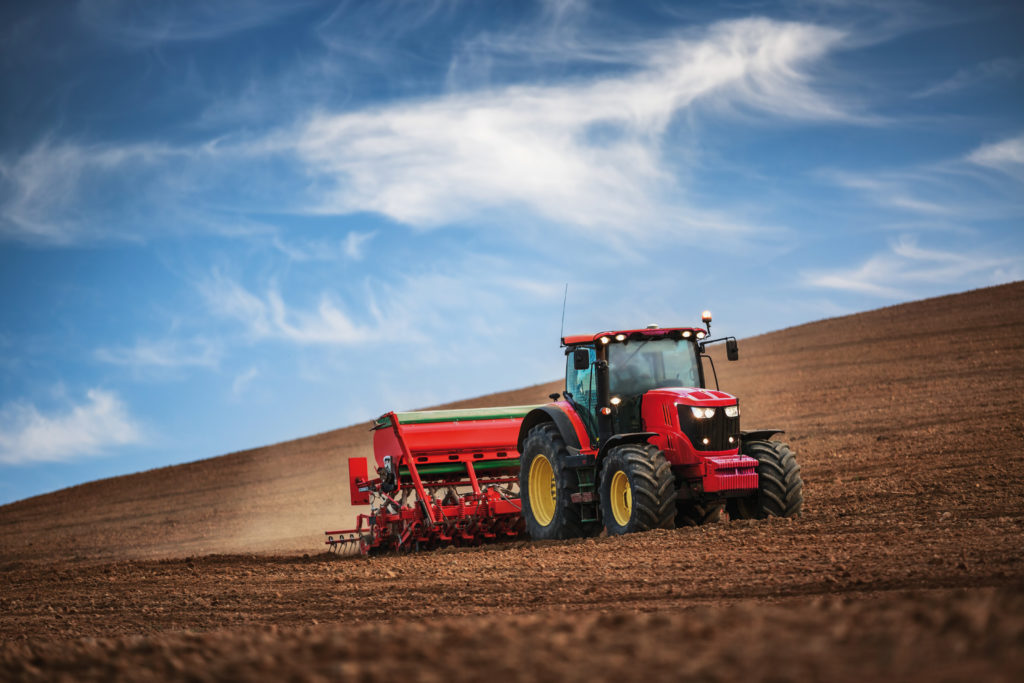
(41, 191)
(974, 76)
(164, 353)
(906, 268)
(586, 154)
(241, 383)
(155, 22)
(352, 247)
(1006, 155)
(416, 306)
(267, 316)
(98, 424)
(954, 188)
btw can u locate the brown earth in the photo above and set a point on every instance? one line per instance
(909, 426)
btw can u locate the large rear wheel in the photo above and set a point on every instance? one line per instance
(780, 490)
(638, 492)
(546, 486)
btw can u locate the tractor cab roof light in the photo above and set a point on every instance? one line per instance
(620, 337)
(605, 340)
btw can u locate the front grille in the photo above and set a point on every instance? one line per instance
(716, 430)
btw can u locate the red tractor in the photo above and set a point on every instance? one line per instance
(637, 441)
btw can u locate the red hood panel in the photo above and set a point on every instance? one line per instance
(690, 396)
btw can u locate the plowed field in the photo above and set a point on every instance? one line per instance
(909, 426)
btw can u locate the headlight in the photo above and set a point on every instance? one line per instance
(702, 413)
(732, 411)
(701, 335)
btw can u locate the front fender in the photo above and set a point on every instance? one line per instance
(621, 440)
(759, 434)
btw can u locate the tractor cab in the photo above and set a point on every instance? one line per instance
(609, 373)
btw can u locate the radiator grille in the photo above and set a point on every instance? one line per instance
(716, 430)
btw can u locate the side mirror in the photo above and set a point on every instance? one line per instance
(581, 359)
(732, 349)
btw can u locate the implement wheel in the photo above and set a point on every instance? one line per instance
(546, 486)
(780, 487)
(638, 491)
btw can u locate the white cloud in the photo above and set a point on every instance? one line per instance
(154, 22)
(164, 353)
(895, 274)
(242, 381)
(405, 307)
(102, 422)
(355, 244)
(1006, 155)
(269, 317)
(974, 76)
(42, 188)
(586, 154)
(893, 190)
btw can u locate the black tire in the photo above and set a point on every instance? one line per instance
(651, 485)
(545, 440)
(689, 513)
(780, 487)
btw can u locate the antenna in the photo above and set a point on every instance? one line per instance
(565, 296)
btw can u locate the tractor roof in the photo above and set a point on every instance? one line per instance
(575, 339)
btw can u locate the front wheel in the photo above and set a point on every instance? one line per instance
(780, 489)
(638, 491)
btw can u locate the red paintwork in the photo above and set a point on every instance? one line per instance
(578, 427)
(659, 414)
(690, 396)
(423, 509)
(434, 442)
(357, 477)
(729, 473)
(716, 471)
(657, 332)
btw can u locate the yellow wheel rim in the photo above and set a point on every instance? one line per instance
(543, 493)
(621, 498)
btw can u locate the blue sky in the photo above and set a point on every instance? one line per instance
(226, 224)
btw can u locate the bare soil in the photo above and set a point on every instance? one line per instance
(908, 423)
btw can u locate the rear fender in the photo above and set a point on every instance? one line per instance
(558, 414)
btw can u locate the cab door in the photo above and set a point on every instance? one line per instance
(582, 385)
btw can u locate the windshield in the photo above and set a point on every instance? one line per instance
(637, 367)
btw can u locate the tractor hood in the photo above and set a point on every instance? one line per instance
(689, 396)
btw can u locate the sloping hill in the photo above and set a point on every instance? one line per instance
(907, 564)
(863, 398)
(276, 498)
